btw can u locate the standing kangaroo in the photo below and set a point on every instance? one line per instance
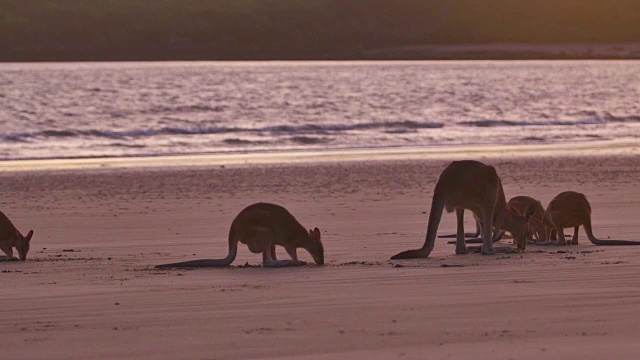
(571, 209)
(11, 238)
(261, 227)
(477, 187)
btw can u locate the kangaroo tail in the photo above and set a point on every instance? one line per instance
(467, 235)
(453, 236)
(233, 250)
(469, 241)
(595, 241)
(437, 206)
(498, 235)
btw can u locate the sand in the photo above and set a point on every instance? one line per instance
(89, 289)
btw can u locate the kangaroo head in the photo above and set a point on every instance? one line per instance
(315, 247)
(22, 244)
(520, 228)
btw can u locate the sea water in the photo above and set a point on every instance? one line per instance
(63, 110)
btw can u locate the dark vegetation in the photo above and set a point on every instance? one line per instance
(294, 29)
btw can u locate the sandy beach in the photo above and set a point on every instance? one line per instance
(89, 289)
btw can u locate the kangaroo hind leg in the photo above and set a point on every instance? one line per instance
(561, 239)
(461, 245)
(487, 236)
(574, 240)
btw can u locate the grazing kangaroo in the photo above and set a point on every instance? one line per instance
(571, 209)
(477, 187)
(11, 238)
(536, 224)
(261, 227)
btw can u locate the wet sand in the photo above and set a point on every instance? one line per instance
(89, 289)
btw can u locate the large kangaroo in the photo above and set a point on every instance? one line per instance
(11, 238)
(477, 187)
(261, 227)
(571, 209)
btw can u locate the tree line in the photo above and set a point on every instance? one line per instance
(38, 30)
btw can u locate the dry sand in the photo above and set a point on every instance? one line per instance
(104, 299)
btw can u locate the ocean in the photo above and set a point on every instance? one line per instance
(71, 110)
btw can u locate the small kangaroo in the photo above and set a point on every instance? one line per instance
(261, 227)
(536, 224)
(571, 209)
(10, 237)
(477, 187)
(520, 204)
(537, 227)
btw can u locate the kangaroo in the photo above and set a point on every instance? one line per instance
(477, 187)
(520, 204)
(537, 227)
(11, 238)
(571, 209)
(261, 227)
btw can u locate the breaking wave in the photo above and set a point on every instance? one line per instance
(593, 119)
(499, 123)
(306, 129)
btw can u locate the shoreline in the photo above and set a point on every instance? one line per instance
(593, 148)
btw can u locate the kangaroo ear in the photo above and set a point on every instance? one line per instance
(29, 235)
(316, 233)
